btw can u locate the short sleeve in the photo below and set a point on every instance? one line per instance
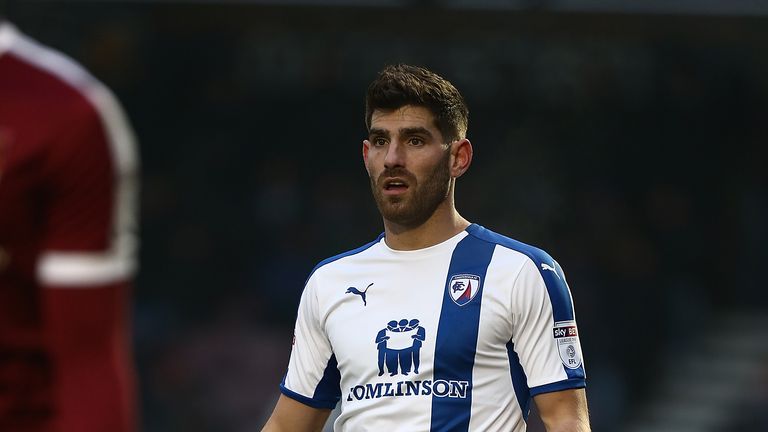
(313, 377)
(545, 333)
(89, 236)
(80, 189)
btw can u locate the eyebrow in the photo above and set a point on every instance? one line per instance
(416, 130)
(378, 132)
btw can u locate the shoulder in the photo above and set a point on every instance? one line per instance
(539, 274)
(48, 84)
(536, 255)
(342, 260)
(45, 72)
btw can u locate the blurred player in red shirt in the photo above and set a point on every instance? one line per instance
(67, 245)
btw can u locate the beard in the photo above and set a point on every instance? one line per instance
(420, 201)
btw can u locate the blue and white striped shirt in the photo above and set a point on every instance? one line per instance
(454, 337)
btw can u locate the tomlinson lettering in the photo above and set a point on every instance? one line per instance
(439, 388)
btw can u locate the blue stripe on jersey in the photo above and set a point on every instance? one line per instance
(519, 380)
(305, 400)
(570, 383)
(329, 387)
(557, 288)
(456, 340)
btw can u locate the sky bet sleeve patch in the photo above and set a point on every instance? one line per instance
(567, 338)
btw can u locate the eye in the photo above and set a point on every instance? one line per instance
(379, 142)
(416, 141)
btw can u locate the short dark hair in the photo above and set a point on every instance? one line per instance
(401, 84)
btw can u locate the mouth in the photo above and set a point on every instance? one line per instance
(395, 186)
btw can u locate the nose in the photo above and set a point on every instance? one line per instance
(395, 156)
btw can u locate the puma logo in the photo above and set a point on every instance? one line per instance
(545, 266)
(356, 291)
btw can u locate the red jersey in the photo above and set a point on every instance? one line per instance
(67, 245)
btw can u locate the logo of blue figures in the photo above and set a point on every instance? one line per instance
(463, 288)
(399, 346)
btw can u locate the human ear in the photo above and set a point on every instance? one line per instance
(461, 157)
(366, 147)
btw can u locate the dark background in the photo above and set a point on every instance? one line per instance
(631, 146)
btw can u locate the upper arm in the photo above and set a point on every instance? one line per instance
(564, 410)
(88, 336)
(292, 416)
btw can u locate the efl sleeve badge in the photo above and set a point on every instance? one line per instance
(567, 338)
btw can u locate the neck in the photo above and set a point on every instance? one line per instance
(444, 223)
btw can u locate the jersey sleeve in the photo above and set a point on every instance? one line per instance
(546, 337)
(89, 234)
(313, 377)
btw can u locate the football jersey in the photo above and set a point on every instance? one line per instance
(67, 213)
(454, 337)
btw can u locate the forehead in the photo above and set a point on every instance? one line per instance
(403, 117)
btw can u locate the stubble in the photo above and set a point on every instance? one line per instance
(421, 200)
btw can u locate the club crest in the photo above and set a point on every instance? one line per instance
(463, 288)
